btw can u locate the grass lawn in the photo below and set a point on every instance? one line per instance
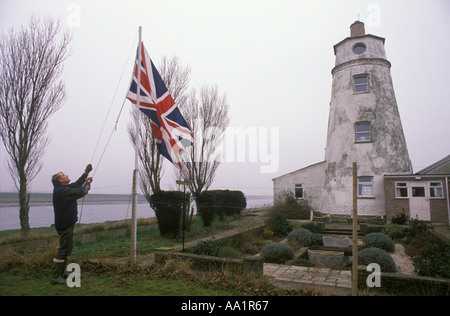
(33, 282)
(29, 274)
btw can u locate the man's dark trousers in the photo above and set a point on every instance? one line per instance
(65, 243)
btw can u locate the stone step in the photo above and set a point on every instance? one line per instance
(339, 232)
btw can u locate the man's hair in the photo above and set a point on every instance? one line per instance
(55, 179)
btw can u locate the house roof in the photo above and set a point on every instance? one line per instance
(440, 167)
(290, 173)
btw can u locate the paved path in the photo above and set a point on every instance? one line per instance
(329, 281)
(403, 262)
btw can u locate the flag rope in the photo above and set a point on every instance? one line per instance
(112, 101)
(106, 119)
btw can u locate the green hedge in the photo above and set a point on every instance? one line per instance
(168, 206)
(220, 203)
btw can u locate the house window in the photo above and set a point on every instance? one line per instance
(418, 191)
(436, 190)
(365, 186)
(362, 132)
(401, 190)
(361, 83)
(299, 191)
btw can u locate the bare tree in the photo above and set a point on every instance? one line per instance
(176, 78)
(31, 63)
(151, 160)
(207, 115)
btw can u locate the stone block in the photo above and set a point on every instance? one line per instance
(336, 241)
(326, 258)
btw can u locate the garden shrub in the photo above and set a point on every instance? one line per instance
(206, 248)
(368, 229)
(318, 240)
(292, 207)
(396, 232)
(417, 228)
(302, 238)
(433, 260)
(379, 240)
(267, 233)
(314, 227)
(367, 256)
(277, 252)
(400, 219)
(168, 206)
(279, 224)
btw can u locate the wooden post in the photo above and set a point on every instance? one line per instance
(184, 213)
(355, 233)
(133, 222)
(136, 155)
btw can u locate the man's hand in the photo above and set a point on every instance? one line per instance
(89, 180)
(88, 168)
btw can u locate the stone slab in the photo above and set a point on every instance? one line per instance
(336, 241)
(326, 258)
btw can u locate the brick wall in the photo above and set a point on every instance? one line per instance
(394, 206)
(439, 212)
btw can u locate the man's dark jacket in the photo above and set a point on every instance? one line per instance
(65, 202)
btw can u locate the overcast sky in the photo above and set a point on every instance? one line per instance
(272, 59)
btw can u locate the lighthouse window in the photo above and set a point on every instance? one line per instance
(361, 83)
(359, 48)
(362, 132)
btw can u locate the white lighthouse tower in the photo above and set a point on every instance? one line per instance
(364, 126)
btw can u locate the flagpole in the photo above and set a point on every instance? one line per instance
(136, 155)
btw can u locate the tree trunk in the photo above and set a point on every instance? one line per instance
(24, 200)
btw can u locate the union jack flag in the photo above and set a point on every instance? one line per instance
(169, 127)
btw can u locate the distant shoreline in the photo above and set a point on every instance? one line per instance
(46, 198)
(12, 199)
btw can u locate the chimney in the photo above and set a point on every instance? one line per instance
(357, 29)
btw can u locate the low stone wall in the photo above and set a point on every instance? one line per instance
(395, 283)
(31, 245)
(34, 245)
(206, 263)
(86, 237)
